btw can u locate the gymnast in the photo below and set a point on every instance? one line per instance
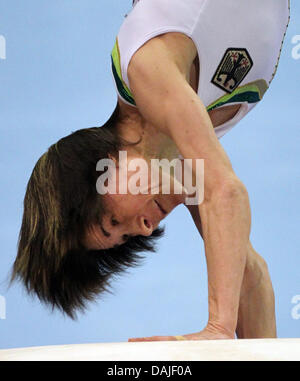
(185, 72)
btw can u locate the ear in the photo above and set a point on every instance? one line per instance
(114, 159)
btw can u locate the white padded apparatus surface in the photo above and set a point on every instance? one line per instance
(214, 350)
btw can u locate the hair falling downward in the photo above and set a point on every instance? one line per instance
(60, 202)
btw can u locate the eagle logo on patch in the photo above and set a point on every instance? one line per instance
(235, 65)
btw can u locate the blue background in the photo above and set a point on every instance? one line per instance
(56, 79)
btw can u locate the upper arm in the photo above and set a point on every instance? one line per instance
(167, 101)
(194, 211)
(151, 73)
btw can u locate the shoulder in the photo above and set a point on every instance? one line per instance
(168, 47)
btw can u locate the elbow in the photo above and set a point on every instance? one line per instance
(228, 205)
(230, 199)
(227, 190)
(233, 189)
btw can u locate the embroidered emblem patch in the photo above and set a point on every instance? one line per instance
(235, 65)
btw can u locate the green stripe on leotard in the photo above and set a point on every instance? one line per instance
(252, 92)
(117, 73)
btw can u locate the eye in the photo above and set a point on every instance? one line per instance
(114, 222)
(106, 234)
(125, 237)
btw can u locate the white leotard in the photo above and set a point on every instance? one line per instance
(238, 43)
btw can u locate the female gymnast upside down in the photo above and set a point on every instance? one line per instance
(185, 74)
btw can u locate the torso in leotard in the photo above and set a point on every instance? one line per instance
(238, 45)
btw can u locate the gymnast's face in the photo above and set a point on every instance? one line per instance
(129, 214)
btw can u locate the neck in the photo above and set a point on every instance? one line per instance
(151, 143)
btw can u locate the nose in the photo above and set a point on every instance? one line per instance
(144, 226)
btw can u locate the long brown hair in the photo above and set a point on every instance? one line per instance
(60, 202)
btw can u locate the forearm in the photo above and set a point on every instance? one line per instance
(226, 227)
(225, 211)
(256, 316)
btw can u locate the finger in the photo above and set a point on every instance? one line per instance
(178, 337)
(161, 338)
(158, 338)
(152, 338)
(166, 338)
(134, 339)
(139, 339)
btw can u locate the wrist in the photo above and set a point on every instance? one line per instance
(219, 328)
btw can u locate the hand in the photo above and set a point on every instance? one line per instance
(210, 332)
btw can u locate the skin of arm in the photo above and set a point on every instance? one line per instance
(166, 100)
(256, 316)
